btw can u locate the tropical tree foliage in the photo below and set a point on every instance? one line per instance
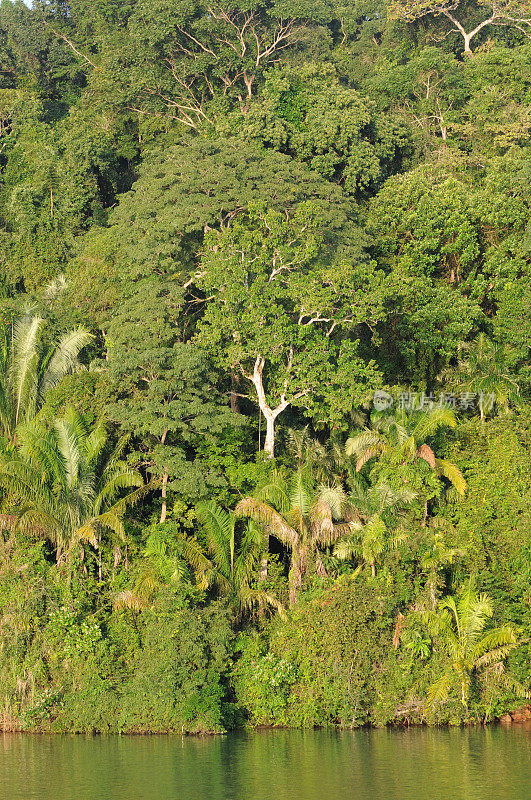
(370, 535)
(64, 484)
(461, 624)
(265, 341)
(303, 517)
(482, 372)
(235, 558)
(401, 439)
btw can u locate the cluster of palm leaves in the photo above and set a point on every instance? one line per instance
(63, 482)
(460, 624)
(482, 370)
(371, 534)
(401, 438)
(225, 562)
(67, 484)
(29, 368)
(303, 517)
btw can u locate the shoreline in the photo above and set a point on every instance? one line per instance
(520, 717)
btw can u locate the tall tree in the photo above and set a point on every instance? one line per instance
(515, 13)
(164, 391)
(279, 313)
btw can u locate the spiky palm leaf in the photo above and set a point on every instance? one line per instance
(451, 473)
(60, 481)
(427, 423)
(28, 370)
(64, 358)
(218, 525)
(400, 439)
(275, 491)
(460, 623)
(130, 600)
(269, 519)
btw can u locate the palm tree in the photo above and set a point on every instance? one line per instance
(481, 370)
(369, 536)
(402, 439)
(28, 368)
(170, 558)
(302, 517)
(63, 482)
(234, 560)
(328, 462)
(227, 563)
(436, 555)
(460, 623)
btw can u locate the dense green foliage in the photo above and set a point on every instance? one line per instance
(265, 373)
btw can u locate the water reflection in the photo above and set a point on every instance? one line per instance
(424, 764)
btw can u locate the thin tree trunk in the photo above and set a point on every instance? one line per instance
(234, 405)
(163, 490)
(100, 565)
(425, 513)
(295, 576)
(263, 573)
(433, 596)
(163, 493)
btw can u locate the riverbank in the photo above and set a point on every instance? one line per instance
(519, 716)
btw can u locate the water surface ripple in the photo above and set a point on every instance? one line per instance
(491, 763)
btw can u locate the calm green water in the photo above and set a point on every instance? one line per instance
(482, 764)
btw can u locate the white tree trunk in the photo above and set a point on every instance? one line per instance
(467, 37)
(163, 490)
(269, 413)
(163, 493)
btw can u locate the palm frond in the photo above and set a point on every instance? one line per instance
(356, 445)
(301, 492)
(65, 358)
(69, 448)
(94, 443)
(275, 492)
(218, 525)
(129, 600)
(438, 692)
(347, 547)
(268, 518)
(335, 498)
(23, 368)
(370, 452)
(452, 473)
(124, 477)
(112, 518)
(491, 642)
(493, 656)
(429, 422)
(254, 599)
